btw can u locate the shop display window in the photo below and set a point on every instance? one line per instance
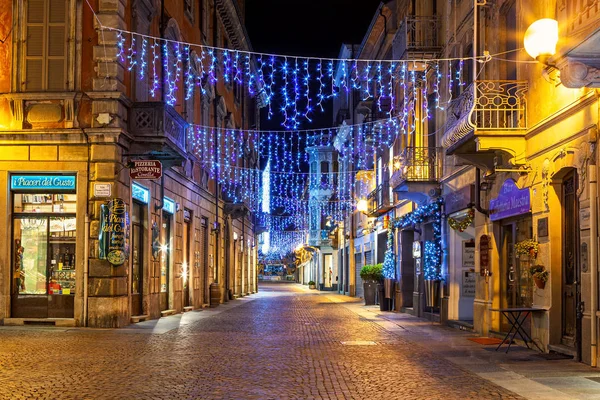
(44, 203)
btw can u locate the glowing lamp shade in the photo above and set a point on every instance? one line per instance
(541, 38)
(362, 205)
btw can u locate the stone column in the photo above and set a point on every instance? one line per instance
(108, 285)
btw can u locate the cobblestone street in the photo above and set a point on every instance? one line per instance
(282, 343)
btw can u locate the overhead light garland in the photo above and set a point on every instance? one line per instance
(284, 80)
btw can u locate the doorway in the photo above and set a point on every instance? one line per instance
(185, 266)
(137, 256)
(43, 255)
(165, 260)
(516, 289)
(571, 294)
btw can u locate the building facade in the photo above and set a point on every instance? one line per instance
(74, 120)
(510, 150)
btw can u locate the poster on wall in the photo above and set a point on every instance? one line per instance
(468, 253)
(113, 237)
(468, 284)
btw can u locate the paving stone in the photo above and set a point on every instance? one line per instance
(282, 343)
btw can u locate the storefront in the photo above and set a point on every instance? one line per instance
(139, 225)
(461, 256)
(166, 246)
(511, 211)
(43, 253)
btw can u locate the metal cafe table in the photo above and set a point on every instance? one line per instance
(516, 317)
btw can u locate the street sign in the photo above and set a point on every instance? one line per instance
(145, 169)
(102, 190)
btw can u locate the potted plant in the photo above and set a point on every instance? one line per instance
(371, 275)
(540, 275)
(527, 247)
(311, 285)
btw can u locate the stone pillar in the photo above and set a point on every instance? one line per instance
(108, 285)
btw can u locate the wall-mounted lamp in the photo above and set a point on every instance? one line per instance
(362, 206)
(541, 38)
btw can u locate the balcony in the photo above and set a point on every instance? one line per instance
(578, 58)
(320, 238)
(417, 38)
(158, 128)
(380, 200)
(417, 171)
(488, 118)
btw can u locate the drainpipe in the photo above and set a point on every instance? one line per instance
(86, 256)
(593, 260)
(478, 193)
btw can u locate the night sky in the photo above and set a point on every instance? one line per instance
(308, 28)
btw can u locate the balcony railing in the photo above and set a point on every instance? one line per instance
(417, 34)
(157, 122)
(380, 200)
(417, 164)
(487, 105)
(319, 237)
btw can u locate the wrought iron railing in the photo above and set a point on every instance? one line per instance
(417, 164)
(416, 33)
(487, 105)
(379, 199)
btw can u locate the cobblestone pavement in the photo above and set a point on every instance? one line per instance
(282, 343)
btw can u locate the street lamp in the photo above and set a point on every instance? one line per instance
(541, 38)
(362, 206)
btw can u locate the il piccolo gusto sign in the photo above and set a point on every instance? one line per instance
(114, 235)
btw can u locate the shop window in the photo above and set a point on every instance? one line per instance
(43, 252)
(45, 45)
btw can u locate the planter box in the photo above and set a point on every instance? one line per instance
(370, 289)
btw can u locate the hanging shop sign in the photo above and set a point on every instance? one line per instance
(510, 202)
(484, 252)
(459, 200)
(42, 182)
(145, 169)
(113, 238)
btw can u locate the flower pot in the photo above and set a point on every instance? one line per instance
(369, 288)
(432, 292)
(312, 286)
(539, 283)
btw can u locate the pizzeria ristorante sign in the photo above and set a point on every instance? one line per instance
(145, 169)
(113, 236)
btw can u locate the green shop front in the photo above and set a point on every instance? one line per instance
(43, 245)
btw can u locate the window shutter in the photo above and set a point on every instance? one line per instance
(35, 11)
(56, 75)
(34, 45)
(58, 11)
(33, 72)
(57, 45)
(45, 45)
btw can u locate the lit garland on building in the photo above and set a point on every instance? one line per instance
(389, 265)
(432, 257)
